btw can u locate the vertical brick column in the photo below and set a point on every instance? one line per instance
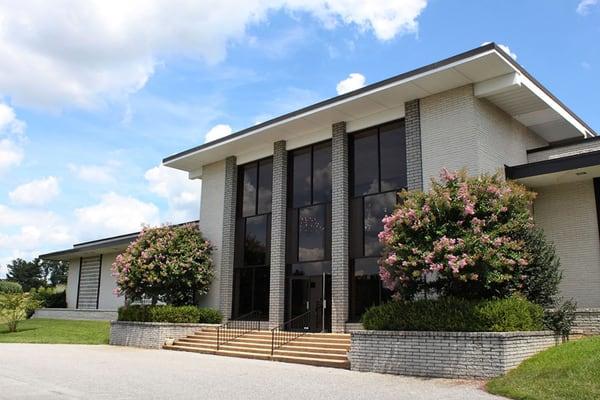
(340, 229)
(228, 241)
(414, 166)
(278, 234)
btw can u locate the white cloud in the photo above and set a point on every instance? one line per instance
(94, 173)
(352, 82)
(36, 193)
(71, 52)
(505, 48)
(26, 233)
(181, 193)
(584, 6)
(11, 138)
(113, 215)
(11, 154)
(217, 132)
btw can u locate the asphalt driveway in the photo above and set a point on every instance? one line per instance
(30, 371)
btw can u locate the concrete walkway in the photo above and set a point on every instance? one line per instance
(29, 371)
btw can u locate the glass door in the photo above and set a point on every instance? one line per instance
(312, 293)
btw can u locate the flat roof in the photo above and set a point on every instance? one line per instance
(486, 63)
(97, 246)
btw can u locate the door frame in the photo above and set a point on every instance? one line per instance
(324, 298)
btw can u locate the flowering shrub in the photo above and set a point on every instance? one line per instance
(167, 263)
(462, 238)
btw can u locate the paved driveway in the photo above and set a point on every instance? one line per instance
(29, 371)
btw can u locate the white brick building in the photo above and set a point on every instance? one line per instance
(294, 204)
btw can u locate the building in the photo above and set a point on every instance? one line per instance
(294, 204)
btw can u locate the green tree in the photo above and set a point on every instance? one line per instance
(14, 307)
(53, 272)
(27, 273)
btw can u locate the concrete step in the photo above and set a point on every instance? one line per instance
(319, 362)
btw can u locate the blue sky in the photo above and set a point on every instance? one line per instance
(94, 94)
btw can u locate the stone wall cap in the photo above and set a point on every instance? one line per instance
(452, 334)
(169, 324)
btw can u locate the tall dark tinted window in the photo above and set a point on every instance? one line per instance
(251, 273)
(378, 173)
(309, 212)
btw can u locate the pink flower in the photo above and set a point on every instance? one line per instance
(447, 175)
(469, 209)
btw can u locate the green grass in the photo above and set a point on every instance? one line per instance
(57, 331)
(569, 371)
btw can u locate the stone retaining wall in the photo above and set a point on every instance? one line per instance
(445, 354)
(587, 321)
(151, 335)
(70, 313)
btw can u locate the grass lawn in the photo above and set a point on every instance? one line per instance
(57, 331)
(569, 371)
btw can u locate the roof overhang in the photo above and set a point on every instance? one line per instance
(495, 76)
(555, 171)
(114, 244)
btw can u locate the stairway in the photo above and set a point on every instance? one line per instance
(320, 349)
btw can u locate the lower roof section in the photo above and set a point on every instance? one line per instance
(558, 170)
(114, 244)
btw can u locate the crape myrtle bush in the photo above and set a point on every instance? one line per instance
(456, 315)
(470, 238)
(168, 263)
(173, 314)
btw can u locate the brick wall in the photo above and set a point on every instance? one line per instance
(587, 321)
(458, 130)
(414, 167)
(228, 241)
(444, 354)
(564, 151)
(150, 335)
(278, 233)
(340, 235)
(73, 314)
(567, 214)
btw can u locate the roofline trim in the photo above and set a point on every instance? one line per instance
(545, 167)
(445, 63)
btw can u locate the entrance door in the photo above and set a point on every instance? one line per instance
(312, 293)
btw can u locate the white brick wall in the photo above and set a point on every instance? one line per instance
(211, 225)
(151, 335)
(567, 214)
(459, 130)
(444, 354)
(564, 151)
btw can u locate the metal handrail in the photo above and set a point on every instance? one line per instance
(237, 327)
(289, 330)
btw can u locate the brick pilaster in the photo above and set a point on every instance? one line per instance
(414, 167)
(278, 234)
(340, 222)
(228, 241)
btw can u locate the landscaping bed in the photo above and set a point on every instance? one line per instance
(57, 331)
(569, 371)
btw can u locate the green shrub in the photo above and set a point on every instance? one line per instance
(210, 316)
(173, 314)
(10, 287)
(15, 307)
(456, 315)
(50, 297)
(561, 318)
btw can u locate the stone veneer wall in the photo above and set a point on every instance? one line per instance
(150, 335)
(445, 354)
(587, 321)
(73, 314)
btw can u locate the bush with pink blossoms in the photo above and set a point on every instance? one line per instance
(462, 238)
(171, 264)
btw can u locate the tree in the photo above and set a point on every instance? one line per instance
(167, 263)
(53, 272)
(14, 307)
(463, 238)
(28, 274)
